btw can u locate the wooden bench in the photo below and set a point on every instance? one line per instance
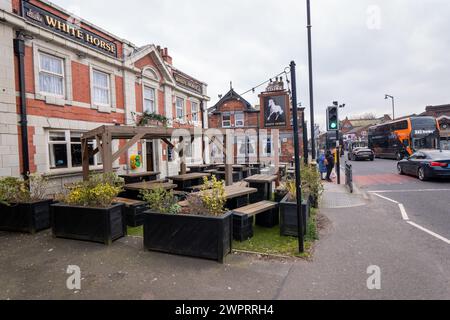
(134, 211)
(267, 215)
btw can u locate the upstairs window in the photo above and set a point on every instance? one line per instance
(51, 75)
(149, 100)
(194, 111)
(239, 119)
(179, 105)
(101, 88)
(226, 120)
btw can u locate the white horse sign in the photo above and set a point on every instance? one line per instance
(275, 111)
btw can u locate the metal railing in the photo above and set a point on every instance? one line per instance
(349, 176)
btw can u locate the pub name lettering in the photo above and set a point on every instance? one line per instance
(75, 32)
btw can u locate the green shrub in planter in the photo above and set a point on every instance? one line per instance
(87, 212)
(23, 204)
(201, 229)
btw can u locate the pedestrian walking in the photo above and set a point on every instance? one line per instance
(329, 160)
(322, 164)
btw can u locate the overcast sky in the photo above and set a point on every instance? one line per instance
(362, 49)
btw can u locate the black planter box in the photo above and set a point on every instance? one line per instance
(189, 235)
(25, 217)
(288, 217)
(103, 225)
(268, 219)
(280, 194)
(314, 201)
(134, 214)
(242, 227)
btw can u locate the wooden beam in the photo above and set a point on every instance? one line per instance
(107, 153)
(127, 146)
(85, 158)
(228, 162)
(166, 141)
(182, 155)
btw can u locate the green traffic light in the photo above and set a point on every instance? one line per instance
(333, 125)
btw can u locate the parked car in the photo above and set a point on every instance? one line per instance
(426, 164)
(361, 153)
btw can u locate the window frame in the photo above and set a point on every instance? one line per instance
(195, 113)
(108, 75)
(155, 100)
(223, 121)
(68, 143)
(62, 76)
(183, 108)
(236, 119)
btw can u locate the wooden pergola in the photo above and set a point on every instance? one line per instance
(104, 136)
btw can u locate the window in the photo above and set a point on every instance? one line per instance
(239, 119)
(58, 150)
(180, 108)
(169, 153)
(194, 111)
(65, 150)
(226, 120)
(189, 146)
(101, 88)
(268, 146)
(51, 75)
(149, 100)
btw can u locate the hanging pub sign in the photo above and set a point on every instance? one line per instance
(275, 111)
(66, 29)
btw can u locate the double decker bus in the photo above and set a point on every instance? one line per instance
(400, 139)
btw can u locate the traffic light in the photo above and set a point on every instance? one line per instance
(332, 119)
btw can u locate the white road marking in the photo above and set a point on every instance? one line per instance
(429, 232)
(406, 219)
(405, 191)
(403, 211)
(385, 198)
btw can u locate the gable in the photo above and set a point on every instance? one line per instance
(149, 67)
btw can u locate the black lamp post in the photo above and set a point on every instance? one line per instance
(311, 84)
(387, 96)
(298, 181)
(305, 134)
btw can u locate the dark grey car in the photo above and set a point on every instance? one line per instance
(426, 164)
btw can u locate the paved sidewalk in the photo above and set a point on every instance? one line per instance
(413, 265)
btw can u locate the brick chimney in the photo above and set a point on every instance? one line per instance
(165, 55)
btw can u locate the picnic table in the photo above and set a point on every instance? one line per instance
(133, 190)
(236, 196)
(220, 175)
(184, 181)
(199, 167)
(263, 183)
(140, 176)
(134, 211)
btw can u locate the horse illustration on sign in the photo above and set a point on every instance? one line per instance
(275, 111)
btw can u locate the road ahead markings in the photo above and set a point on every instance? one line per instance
(406, 218)
(385, 198)
(429, 232)
(406, 191)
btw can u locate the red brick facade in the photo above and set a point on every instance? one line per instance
(75, 110)
(231, 104)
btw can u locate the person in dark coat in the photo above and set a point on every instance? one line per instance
(330, 164)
